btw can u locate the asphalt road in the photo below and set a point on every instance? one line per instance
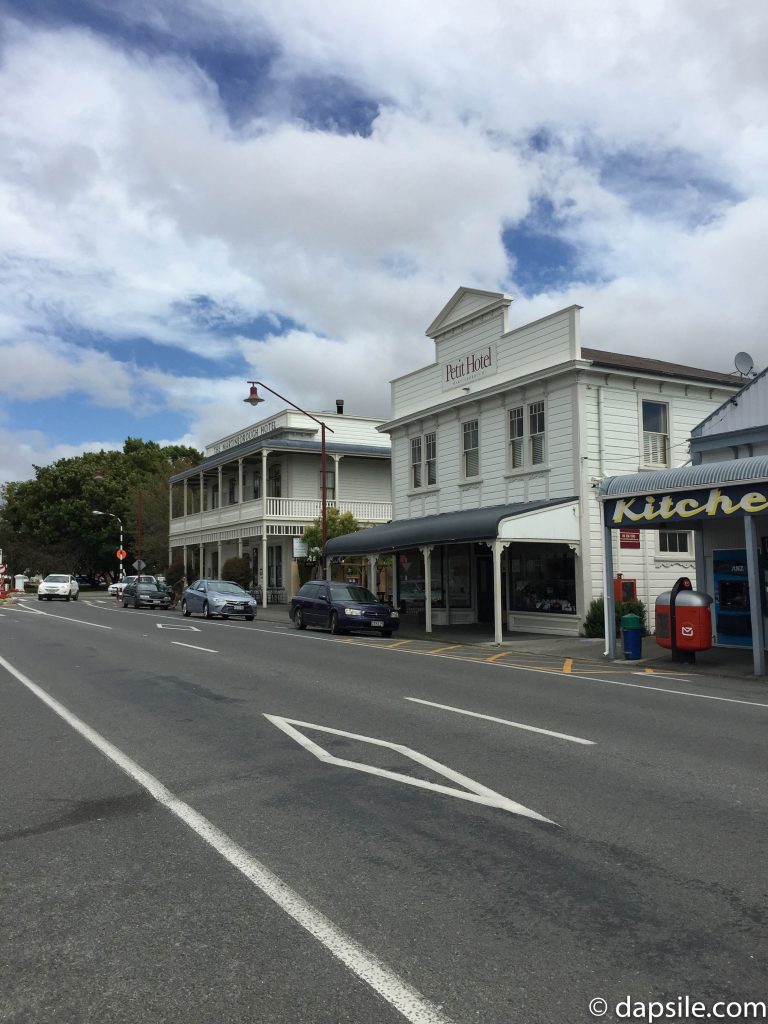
(228, 823)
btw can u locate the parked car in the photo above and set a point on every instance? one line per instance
(145, 595)
(218, 597)
(58, 585)
(89, 581)
(341, 607)
(117, 588)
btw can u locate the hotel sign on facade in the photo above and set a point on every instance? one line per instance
(689, 507)
(469, 367)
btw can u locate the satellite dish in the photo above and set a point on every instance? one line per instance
(744, 363)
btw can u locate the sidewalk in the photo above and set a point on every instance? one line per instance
(721, 661)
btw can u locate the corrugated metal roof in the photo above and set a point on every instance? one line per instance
(445, 528)
(281, 444)
(707, 474)
(619, 361)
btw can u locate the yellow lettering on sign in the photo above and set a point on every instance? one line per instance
(688, 507)
(754, 502)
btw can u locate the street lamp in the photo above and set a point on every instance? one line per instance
(120, 550)
(254, 399)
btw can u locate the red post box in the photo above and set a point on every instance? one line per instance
(684, 620)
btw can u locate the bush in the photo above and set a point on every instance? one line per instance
(174, 573)
(594, 621)
(238, 570)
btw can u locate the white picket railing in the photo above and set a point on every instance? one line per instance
(290, 509)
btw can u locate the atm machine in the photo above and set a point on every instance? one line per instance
(733, 621)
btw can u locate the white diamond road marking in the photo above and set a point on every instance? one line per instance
(505, 721)
(473, 791)
(177, 625)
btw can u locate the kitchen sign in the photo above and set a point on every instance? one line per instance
(473, 366)
(654, 510)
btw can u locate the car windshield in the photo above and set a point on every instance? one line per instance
(225, 587)
(147, 587)
(57, 579)
(346, 592)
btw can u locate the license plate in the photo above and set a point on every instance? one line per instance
(376, 622)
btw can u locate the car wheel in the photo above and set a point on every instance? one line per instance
(207, 611)
(386, 633)
(184, 609)
(249, 618)
(298, 619)
(336, 629)
(75, 596)
(39, 597)
(67, 598)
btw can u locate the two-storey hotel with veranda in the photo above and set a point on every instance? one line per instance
(498, 446)
(256, 490)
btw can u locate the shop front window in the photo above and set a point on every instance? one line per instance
(542, 578)
(411, 586)
(459, 576)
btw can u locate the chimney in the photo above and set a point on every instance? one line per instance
(339, 406)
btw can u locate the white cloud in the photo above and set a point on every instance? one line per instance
(126, 193)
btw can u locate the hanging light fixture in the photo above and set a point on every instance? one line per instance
(253, 397)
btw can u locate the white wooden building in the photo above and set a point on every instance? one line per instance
(256, 491)
(498, 447)
(721, 500)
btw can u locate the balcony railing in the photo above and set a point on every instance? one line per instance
(294, 510)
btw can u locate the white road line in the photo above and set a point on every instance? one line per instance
(504, 721)
(475, 792)
(207, 650)
(398, 993)
(64, 618)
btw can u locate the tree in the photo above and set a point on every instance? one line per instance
(238, 570)
(48, 523)
(337, 525)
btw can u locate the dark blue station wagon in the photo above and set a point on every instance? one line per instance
(341, 607)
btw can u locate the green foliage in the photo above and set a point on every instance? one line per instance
(174, 574)
(48, 523)
(238, 570)
(337, 525)
(594, 620)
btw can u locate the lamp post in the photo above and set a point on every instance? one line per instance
(254, 399)
(119, 560)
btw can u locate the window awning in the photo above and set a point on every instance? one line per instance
(555, 520)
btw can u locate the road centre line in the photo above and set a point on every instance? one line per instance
(407, 1000)
(504, 721)
(207, 650)
(396, 649)
(64, 618)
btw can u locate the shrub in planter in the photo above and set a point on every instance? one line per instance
(594, 620)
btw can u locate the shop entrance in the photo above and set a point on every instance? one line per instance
(733, 621)
(484, 578)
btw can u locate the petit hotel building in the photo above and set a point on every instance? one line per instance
(499, 444)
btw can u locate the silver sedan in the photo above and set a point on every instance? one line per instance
(218, 597)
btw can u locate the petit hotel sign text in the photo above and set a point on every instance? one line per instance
(469, 367)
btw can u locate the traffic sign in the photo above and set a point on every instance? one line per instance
(121, 554)
(139, 564)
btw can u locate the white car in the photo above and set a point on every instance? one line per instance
(58, 585)
(117, 588)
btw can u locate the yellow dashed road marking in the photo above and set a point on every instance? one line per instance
(400, 643)
(495, 657)
(450, 647)
(567, 664)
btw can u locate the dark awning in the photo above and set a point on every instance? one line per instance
(477, 524)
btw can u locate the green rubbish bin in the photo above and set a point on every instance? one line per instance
(632, 637)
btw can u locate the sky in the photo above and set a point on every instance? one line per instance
(195, 194)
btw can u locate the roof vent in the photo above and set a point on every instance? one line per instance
(340, 406)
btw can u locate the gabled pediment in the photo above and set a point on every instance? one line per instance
(465, 304)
